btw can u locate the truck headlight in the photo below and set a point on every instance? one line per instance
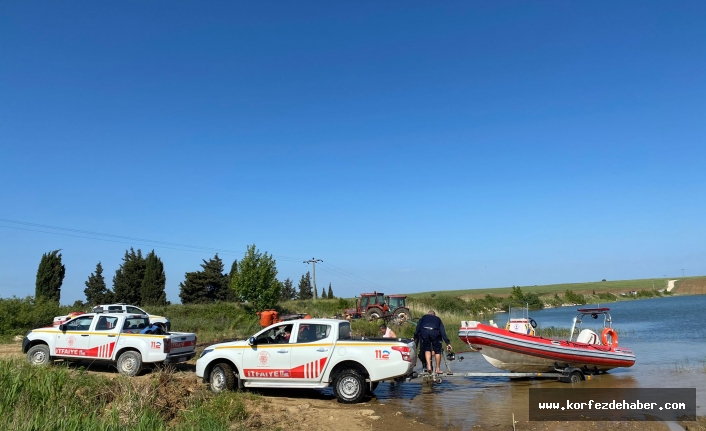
(205, 352)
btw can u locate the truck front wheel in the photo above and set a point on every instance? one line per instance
(350, 387)
(39, 355)
(222, 378)
(129, 363)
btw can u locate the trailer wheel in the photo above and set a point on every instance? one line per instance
(222, 378)
(349, 387)
(576, 377)
(39, 355)
(130, 363)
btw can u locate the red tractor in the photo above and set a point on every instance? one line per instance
(398, 305)
(370, 305)
(375, 305)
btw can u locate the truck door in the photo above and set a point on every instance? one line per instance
(313, 347)
(103, 337)
(73, 341)
(267, 359)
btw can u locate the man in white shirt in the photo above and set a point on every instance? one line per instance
(387, 332)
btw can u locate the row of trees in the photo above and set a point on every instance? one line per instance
(305, 290)
(141, 281)
(253, 279)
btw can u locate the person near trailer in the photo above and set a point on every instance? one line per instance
(430, 332)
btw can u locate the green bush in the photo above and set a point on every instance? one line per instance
(606, 296)
(574, 298)
(20, 315)
(648, 293)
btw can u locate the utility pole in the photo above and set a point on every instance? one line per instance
(682, 273)
(313, 261)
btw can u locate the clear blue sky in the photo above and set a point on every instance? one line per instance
(412, 146)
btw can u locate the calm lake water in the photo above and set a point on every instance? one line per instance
(668, 336)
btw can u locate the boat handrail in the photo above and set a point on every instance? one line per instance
(593, 312)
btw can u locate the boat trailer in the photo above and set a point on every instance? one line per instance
(565, 374)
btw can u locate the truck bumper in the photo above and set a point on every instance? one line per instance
(25, 344)
(183, 357)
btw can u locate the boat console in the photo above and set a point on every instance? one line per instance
(589, 337)
(520, 322)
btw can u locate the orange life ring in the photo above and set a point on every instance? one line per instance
(613, 337)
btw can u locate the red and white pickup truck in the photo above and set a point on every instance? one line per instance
(308, 353)
(126, 340)
(115, 308)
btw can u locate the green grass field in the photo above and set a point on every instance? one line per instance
(56, 398)
(616, 287)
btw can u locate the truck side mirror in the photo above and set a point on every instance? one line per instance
(62, 327)
(251, 340)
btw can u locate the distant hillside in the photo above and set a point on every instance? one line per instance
(690, 286)
(686, 286)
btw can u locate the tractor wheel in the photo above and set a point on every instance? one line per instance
(374, 313)
(402, 314)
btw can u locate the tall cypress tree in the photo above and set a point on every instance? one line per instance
(208, 285)
(193, 290)
(323, 293)
(330, 292)
(288, 290)
(216, 280)
(127, 282)
(153, 284)
(96, 291)
(231, 295)
(50, 276)
(305, 290)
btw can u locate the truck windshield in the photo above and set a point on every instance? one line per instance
(80, 324)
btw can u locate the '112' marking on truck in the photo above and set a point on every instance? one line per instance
(383, 355)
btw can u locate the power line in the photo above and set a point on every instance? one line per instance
(364, 281)
(122, 239)
(346, 278)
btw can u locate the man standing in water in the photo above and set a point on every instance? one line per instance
(430, 331)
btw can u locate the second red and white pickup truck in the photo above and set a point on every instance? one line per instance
(116, 308)
(308, 353)
(123, 339)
